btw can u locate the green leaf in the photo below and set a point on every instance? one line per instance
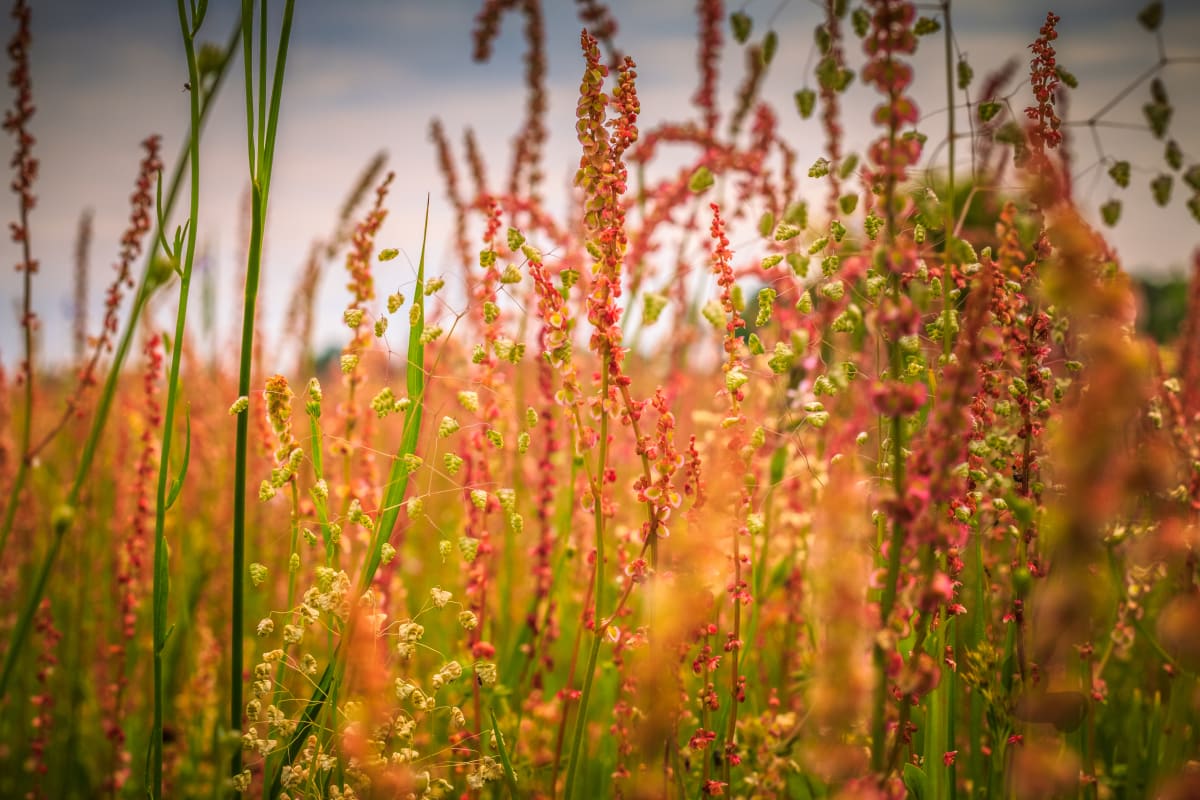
(1151, 16)
(312, 710)
(510, 779)
(766, 224)
(177, 484)
(701, 180)
(198, 14)
(398, 476)
(926, 26)
(988, 111)
(769, 47)
(1173, 155)
(965, 74)
(1110, 212)
(1160, 187)
(848, 202)
(158, 213)
(797, 214)
(915, 781)
(1193, 205)
(822, 38)
(1067, 77)
(846, 168)
(1158, 91)
(1119, 172)
(1011, 133)
(1158, 116)
(742, 25)
(832, 76)
(778, 464)
(827, 73)
(515, 239)
(861, 21)
(806, 100)
(960, 251)
(786, 232)
(1192, 177)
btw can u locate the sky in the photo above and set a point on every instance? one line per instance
(365, 76)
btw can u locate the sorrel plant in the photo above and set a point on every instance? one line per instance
(735, 476)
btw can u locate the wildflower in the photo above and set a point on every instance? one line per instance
(468, 547)
(449, 673)
(447, 427)
(384, 402)
(410, 463)
(486, 673)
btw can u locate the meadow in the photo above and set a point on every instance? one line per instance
(733, 477)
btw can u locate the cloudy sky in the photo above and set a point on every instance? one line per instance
(367, 75)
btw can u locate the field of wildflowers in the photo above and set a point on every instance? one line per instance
(737, 477)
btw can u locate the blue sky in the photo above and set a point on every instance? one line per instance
(367, 75)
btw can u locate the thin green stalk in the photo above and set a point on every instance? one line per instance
(239, 478)
(597, 592)
(161, 569)
(581, 715)
(978, 615)
(261, 155)
(735, 653)
(63, 517)
(888, 600)
(18, 484)
(320, 501)
(293, 565)
(949, 204)
(936, 729)
(328, 685)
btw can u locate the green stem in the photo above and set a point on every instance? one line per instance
(888, 600)
(261, 155)
(598, 591)
(161, 568)
(63, 517)
(979, 613)
(581, 715)
(327, 688)
(949, 204)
